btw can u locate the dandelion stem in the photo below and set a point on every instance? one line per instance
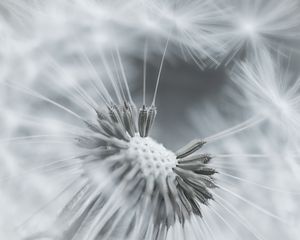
(241, 156)
(258, 184)
(145, 72)
(124, 75)
(159, 72)
(235, 129)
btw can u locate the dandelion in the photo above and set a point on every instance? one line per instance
(147, 188)
(129, 186)
(79, 155)
(157, 186)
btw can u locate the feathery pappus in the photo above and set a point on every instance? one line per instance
(147, 188)
(254, 24)
(271, 89)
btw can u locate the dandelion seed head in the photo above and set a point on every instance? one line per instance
(164, 187)
(125, 184)
(153, 158)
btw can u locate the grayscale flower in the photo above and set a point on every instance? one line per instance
(89, 91)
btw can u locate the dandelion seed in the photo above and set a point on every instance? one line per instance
(271, 90)
(253, 24)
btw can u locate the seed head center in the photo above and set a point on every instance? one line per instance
(152, 158)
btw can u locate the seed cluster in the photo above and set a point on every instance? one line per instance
(152, 158)
(158, 186)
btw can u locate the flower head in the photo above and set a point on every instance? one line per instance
(97, 170)
(155, 186)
